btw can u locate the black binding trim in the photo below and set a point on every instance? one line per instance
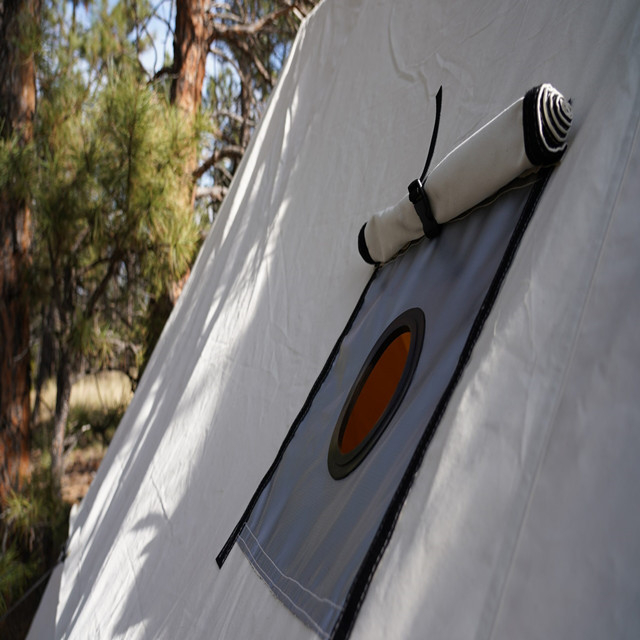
(359, 587)
(362, 247)
(226, 549)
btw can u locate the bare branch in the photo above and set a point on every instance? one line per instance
(251, 53)
(82, 236)
(170, 71)
(232, 32)
(223, 6)
(100, 289)
(82, 272)
(226, 57)
(225, 172)
(225, 113)
(232, 17)
(153, 45)
(216, 192)
(231, 151)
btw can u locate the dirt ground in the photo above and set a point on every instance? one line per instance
(80, 469)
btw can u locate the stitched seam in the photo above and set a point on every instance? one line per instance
(309, 620)
(286, 577)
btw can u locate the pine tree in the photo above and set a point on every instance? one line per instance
(249, 42)
(112, 228)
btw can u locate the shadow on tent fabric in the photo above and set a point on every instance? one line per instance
(192, 312)
(198, 313)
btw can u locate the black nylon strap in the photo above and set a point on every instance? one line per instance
(417, 194)
(434, 135)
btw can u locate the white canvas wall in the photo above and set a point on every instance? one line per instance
(523, 522)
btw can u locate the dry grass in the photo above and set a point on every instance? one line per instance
(97, 392)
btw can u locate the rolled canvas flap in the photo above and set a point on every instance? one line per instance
(479, 166)
(528, 134)
(389, 230)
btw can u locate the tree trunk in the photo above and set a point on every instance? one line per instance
(63, 394)
(17, 107)
(190, 49)
(46, 360)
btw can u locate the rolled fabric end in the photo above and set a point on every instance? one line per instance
(546, 119)
(530, 133)
(386, 232)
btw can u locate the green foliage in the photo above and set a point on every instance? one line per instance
(33, 524)
(16, 167)
(114, 223)
(14, 576)
(115, 227)
(33, 528)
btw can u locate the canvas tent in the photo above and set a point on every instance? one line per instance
(521, 520)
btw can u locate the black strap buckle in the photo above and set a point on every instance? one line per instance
(420, 201)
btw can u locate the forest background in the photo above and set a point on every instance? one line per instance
(122, 124)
